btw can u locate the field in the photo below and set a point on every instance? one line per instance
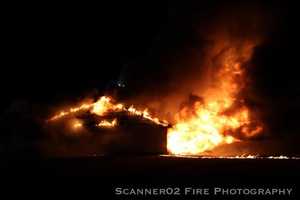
(157, 168)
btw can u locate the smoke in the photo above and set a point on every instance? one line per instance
(175, 72)
(190, 52)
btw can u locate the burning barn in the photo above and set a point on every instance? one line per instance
(222, 110)
(104, 127)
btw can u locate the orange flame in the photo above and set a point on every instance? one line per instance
(215, 120)
(107, 124)
(258, 157)
(105, 105)
(77, 125)
(71, 111)
(208, 123)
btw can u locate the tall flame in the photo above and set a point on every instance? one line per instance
(211, 121)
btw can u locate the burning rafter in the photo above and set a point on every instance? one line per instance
(106, 105)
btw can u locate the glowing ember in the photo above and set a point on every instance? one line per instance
(281, 157)
(75, 125)
(212, 121)
(107, 124)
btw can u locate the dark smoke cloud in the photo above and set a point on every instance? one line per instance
(181, 64)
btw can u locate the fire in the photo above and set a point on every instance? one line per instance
(219, 116)
(71, 111)
(77, 125)
(257, 157)
(107, 124)
(106, 105)
(222, 113)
